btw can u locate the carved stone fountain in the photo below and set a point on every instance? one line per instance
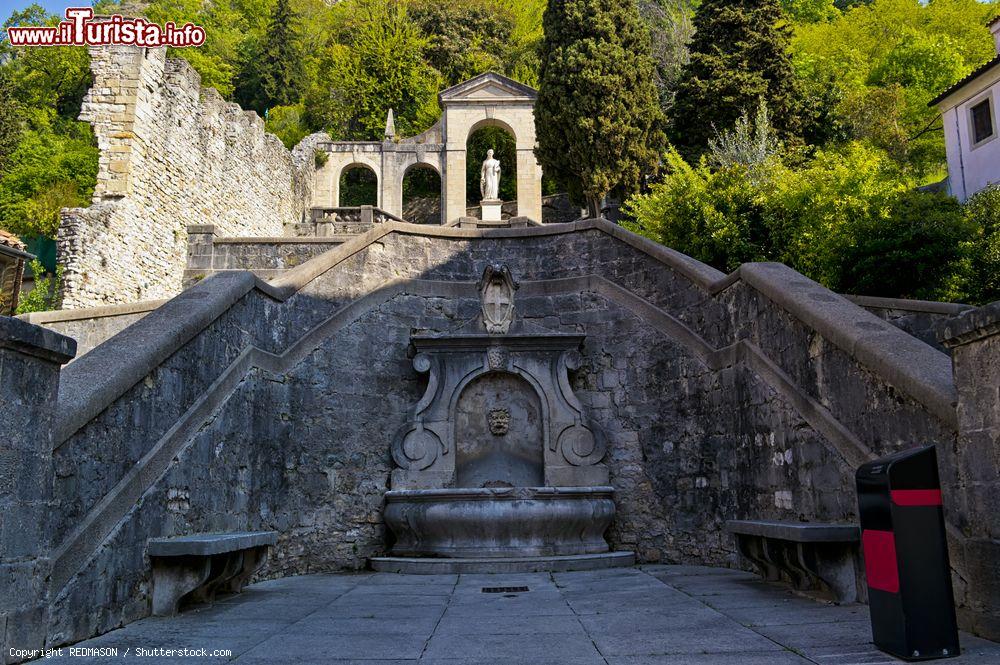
(499, 468)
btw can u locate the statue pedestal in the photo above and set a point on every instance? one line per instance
(492, 210)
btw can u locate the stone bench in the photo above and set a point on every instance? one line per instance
(197, 567)
(813, 556)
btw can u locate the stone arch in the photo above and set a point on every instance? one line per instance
(488, 99)
(506, 152)
(491, 99)
(490, 122)
(345, 169)
(409, 169)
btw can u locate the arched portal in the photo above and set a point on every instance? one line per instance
(498, 433)
(491, 134)
(488, 100)
(358, 186)
(422, 194)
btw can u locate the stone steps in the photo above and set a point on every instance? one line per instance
(534, 564)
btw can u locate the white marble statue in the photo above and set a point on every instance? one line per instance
(489, 183)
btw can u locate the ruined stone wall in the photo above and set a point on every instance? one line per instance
(172, 154)
(273, 406)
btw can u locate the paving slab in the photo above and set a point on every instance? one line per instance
(653, 615)
(744, 658)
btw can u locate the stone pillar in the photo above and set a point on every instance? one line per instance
(30, 361)
(392, 180)
(117, 105)
(974, 339)
(200, 253)
(454, 176)
(529, 185)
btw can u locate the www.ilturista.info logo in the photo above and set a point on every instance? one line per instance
(81, 29)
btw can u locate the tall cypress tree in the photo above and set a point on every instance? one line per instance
(597, 118)
(10, 119)
(739, 55)
(272, 74)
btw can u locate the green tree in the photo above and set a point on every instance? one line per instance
(10, 119)
(272, 73)
(671, 28)
(914, 251)
(983, 212)
(464, 38)
(810, 11)
(597, 117)
(54, 166)
(46, 294)
(286, 122)
(872, 70)
(48, 159)
(848, 218)
(739, 56)
(381, 67)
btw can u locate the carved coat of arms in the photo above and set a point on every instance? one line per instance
(496, 290)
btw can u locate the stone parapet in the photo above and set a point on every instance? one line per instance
(30, 361)
(974, 340)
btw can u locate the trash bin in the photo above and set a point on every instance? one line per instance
(906, 556)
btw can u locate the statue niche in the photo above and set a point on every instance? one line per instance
(498, 434)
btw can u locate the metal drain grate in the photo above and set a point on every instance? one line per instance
(505, 589)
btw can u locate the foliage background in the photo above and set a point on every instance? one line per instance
(836, 197)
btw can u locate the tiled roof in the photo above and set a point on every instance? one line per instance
(9, 240)
(967, 80)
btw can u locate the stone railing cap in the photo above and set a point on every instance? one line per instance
(206, 544)
(36, 341)
(971, 326)
(797, 532)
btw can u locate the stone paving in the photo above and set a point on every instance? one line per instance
(681, 615)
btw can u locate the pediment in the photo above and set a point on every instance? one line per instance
(489, 87)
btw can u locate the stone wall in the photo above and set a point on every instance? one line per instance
(30, 359)
(242, 404)
(172, 154)
(92, 326)
(208, 254)
(974, 339)
(922, 319)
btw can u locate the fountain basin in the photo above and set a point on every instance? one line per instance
(500, 522)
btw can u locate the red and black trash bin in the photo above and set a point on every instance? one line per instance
(906, 556)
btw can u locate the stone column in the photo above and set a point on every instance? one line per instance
(974, 339)
(529, 185)
(392, 180)
(30, 361)
(454, 176)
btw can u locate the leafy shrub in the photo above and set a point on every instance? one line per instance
(914, 251)
(46, 294)
(983, 213)
(847, 218)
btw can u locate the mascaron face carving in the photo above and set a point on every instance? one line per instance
(499, 420)
(496, 291)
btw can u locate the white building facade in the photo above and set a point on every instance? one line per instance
(969, 110)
